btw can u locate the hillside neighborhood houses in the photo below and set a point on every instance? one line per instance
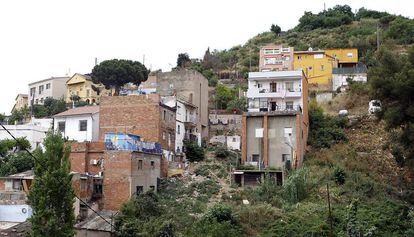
(123, 145)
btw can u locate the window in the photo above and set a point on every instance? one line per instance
(97, 188)
(285, 157)
(289, 105)
(288, 132)
(318, 56)
(273, 87)
(299, 57)
(61, 126)
(310, 68)
(285, 50)
(350, 55)
(41, 89)
(82, 185)
(81, 88)
(47, 86)
(234, 139)
(139, 190)
(152, 164)
(37, 101)
(164, 115)
(289, 86)
(163, 135)
(287, 58)
(255, 157)
(178, 129)
(17, 185)
(259, 133)
(259, 85)
(83, 125)
(32, 91)
(41, 100)
(87, 92)
(140, 164)
(322, 67)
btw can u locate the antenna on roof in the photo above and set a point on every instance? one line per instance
(324, 6)
(96, 61)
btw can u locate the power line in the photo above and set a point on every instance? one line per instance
(35, 158)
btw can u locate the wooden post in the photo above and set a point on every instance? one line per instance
(330, 213)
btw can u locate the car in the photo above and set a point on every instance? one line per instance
(374, 106)
(343, 113)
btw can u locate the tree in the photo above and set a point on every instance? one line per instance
(193, 151)
(54, 106)
(237, 104)
(223, 96)
(51, 195)
(392, 82)
(275, 29)
(183, 60)
(117, 72)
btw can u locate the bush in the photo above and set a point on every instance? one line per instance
(193, 151)
(339, 175)
(295, 186)
(325, 131)
(222, 152)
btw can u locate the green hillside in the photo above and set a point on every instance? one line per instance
(338, 27)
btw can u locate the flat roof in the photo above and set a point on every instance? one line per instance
(29, 174)
(50, 79)
(275, 74)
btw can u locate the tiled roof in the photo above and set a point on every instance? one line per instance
(79, 110)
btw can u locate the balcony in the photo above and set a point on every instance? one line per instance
(275, 110)
(191, 120)
(266, 93)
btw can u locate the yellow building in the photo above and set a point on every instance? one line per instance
(20, 102)
(317, 66)
(347, 57)
(82, 86)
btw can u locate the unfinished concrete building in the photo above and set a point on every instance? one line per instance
(275, 128)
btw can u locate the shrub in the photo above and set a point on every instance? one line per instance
(295, 186)
(193, 151)
(339, 175)
(222, 152)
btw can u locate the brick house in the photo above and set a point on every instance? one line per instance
(108, 178)
(142, 115)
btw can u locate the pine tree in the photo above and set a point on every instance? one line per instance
(51, 195)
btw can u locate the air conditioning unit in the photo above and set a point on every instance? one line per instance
(94, 162)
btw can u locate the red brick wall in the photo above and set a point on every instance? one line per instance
(2, 185)
(82, 154)
(116, 183)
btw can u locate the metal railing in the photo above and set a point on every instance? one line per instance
(270, 108)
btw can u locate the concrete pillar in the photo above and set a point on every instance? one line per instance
(244, 140)
(265, 142)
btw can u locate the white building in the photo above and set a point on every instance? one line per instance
(231, 142)
(274, 91)
(79, 124)
(341, 76)
(33, 133)
(186, 121)
(54, 87)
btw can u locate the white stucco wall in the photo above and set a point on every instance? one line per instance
(233, 142)
(72, 127)
(15, 213)
(34, 134)
(57, 89)
(339, 80)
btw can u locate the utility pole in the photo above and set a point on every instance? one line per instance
(378, 38)
(330, 213)
(143, 59)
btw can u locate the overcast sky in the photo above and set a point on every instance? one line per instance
(40, 39)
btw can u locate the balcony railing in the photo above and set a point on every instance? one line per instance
(283, 108)
(266, 93)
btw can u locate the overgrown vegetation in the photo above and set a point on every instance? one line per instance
(13, 157)
(325, 130)
(193, 151)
